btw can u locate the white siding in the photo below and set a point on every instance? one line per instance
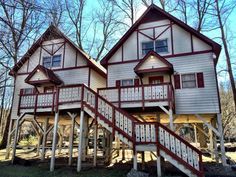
(34, 60)
(181, 39)
(199, 45)
(96, 80)
(130, 47)
(38, 76)
(81, 61)
(117, 57)
(70, 56)
(121, 71)
(151, 24)
(196, 100)
(152, 63)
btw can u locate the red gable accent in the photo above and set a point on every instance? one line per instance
(55, 33)
(52, 78)
(152, 53)
(154, 13)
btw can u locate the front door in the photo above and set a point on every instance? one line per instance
(156, 79)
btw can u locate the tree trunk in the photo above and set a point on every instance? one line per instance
(228, 60)
(3, 143)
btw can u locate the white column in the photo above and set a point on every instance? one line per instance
(80, 140)
(71, 140)
(44, 139)
(54, 142)
(158, 166)
(222, 146)
(9, 141)
(95, 145)
(171, 119)
(135, 160)
(15, 140)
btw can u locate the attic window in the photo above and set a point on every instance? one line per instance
(53, 61)
(161, 46)
(147, 46)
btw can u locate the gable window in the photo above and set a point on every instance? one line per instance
(53, 61)
(147, 46)
(188, 80)
(161, 46)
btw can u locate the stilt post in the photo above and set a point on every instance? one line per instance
(135, 160)
(95, 145)
(9, 141)
(54, 143)
(15, 141)
(44, 139)
(80, 141)
(71, 140)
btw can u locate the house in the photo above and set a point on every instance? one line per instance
(159, 76)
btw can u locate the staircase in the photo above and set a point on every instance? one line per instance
(143, 136)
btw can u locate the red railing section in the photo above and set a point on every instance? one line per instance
(120, 121)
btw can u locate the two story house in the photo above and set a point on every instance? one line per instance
(159, 75)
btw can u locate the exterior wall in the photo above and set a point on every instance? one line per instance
(152, 63)
(96, 80)
(181, 40)
(38, 76)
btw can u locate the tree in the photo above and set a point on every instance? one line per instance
(20, 20)
(223, 11)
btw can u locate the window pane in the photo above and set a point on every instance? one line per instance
(147, 46)
(161, 46)
(127, 82)
(47, 62)
(188, 80)
(28, 90)
(56, 61)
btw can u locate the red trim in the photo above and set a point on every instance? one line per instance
(162, 32)
(172, 40)
(177, 81)
(166, 57)
(122, 53)
(192, 43)
(157, 56)
(200, 80)
(137, 46)
(158, 26)
(89, 77)
(64, 52)
(154, 78)
(40, 54)
(76, 55)
(154, 70)
(153, 9)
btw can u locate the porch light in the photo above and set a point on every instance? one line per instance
(37, 70)
(152, 56)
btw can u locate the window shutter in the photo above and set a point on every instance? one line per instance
(200, 80)
(117, 83)
(21, 91)
(177, 81)
(136, 82)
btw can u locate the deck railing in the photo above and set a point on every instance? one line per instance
(141, 93)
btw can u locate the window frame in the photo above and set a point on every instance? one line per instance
(121, 82)
(166, 39)
(51, 61)
(182, 81)
(153, 44)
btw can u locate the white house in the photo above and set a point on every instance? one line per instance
(160, 74)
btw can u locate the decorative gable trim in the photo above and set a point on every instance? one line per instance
(168, 67)
(49, 74)
(148, 16)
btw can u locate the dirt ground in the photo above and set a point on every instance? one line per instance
(119, 168)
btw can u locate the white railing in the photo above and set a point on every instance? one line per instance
(45, 100)
(70, 94)
(27, 101)
(160, 92)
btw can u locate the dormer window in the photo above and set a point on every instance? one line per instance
(161, 46)
(52, 61)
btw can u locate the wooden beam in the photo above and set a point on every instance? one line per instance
(208, 125)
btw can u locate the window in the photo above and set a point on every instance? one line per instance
(161, 46)
(188, 80)
(26, 91)
(54, 61)
(48, 89)
(147, 46)
(127, 82)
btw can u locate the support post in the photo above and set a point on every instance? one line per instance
(15, 141)
(135, 160)
(211, 146)
(123, 151)
(158, 166)
(71, 140)
(54, 143)
(195, 134)
(171, 119)
(44, 139)
(222, 146)
(9, 141)
(95, 145)
(80, 141)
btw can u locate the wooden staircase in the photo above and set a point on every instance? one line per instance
(143, 136)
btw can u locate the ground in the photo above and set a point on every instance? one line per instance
(38, 169)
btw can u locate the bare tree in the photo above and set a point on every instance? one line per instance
(18, 19)
(75, 12)
(128, 8)
(223, 11)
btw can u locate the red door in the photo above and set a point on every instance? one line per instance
(156, 80)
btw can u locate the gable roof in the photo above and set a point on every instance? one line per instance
(54, 32)
(153, 13)
(169, 66)
(51, 77)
